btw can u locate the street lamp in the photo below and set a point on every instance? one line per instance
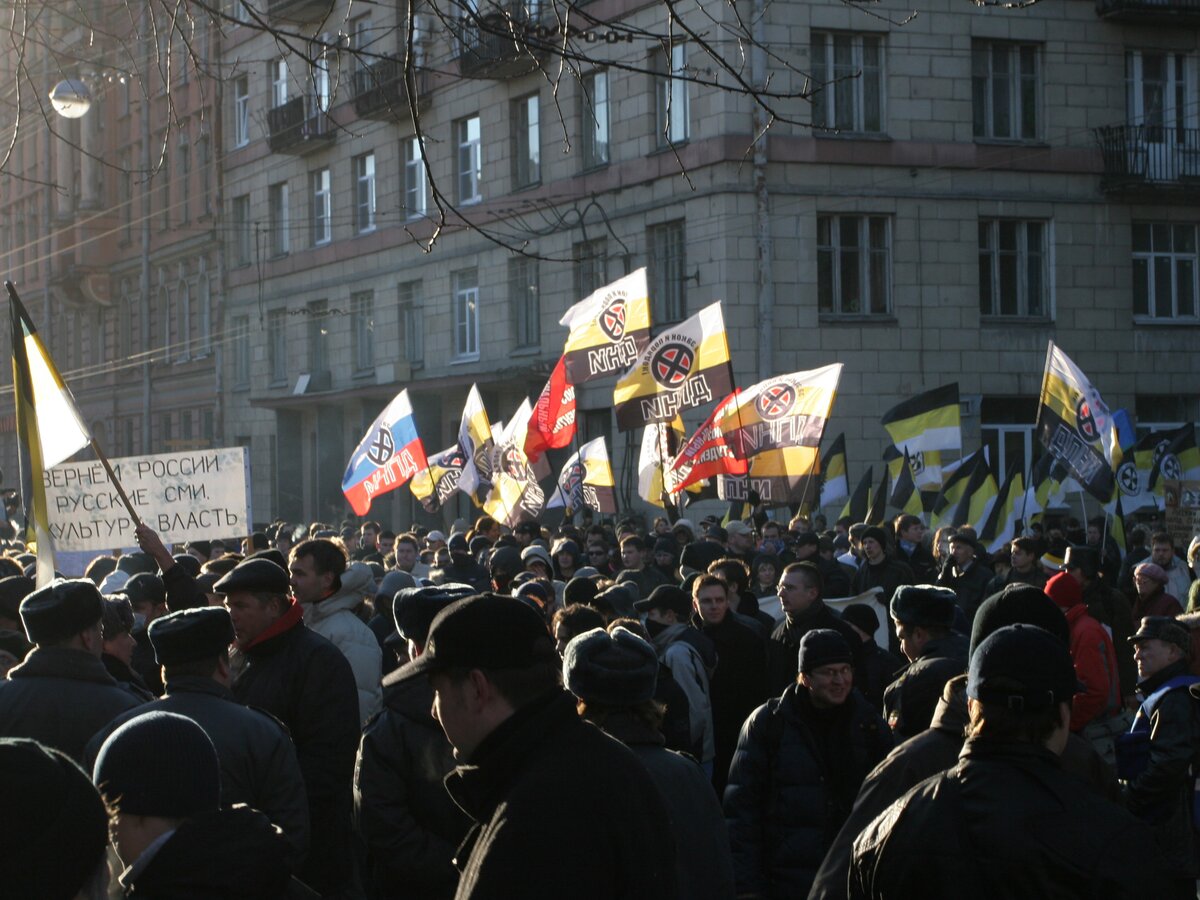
(71, 98)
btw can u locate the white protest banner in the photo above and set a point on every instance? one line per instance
(193, 495)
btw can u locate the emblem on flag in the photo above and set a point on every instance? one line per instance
(672, 364)
(382, 446)
(776, 400)
(1090, 417)
(612, 319)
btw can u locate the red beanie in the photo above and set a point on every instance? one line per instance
(1064, 590)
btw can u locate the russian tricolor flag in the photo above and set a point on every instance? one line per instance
(388, 455)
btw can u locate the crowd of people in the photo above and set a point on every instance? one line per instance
(762, 708)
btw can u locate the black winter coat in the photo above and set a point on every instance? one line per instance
(879, 668)
(736, 688)
(560, 810)
(887, 575)
(145, 663)
(924, 566)
(258, 761)
(305, 681)
(909, 701)
(930, 752)
(784, 648)
(970, 586)
(61, 697)
(1005, 822)
(1111, 607)
(401, 809)
(126, 677)
(792, 783)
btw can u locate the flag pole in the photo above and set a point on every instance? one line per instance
(112, 476)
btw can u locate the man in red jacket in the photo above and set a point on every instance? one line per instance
(1092, 652)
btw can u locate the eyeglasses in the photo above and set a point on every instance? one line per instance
(784, 587)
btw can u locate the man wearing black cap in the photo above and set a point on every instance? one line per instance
(879, 569)
(463, 568)
(689, 655)
(1006, 820)
(61, 694)
(1159, 781)
(806, 547)
(306, 682)
(966, 575)
(1109, 607)
(558, 807)
(923, 616)
(799, 762)
(258, 761)
(879, 666)
(408, 822)
(800, 595)
(160, 778)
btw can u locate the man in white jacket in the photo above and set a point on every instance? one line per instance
(330, 593)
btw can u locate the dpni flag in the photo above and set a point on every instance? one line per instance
(684, 367)
(609, 329)
(49, 428)
(515, 494)
(389, 454)
(1076, 427)
(586, 481)
(439, 480)
(475, 441)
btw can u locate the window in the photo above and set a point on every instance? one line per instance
(1163, 98)
(277, 345)
(320, 80)
(1012, 268)
(126, 198)
(466, 314)
(415, 185)
(185, 174)
(411, 334)
(853, 265)
(321, 218)
(164, 318)
(1165, 270)
(671, 96)
(468, 167)
(318, 336)
(125, 320)
(595, 120)
(1004, 83)
(668, 281)
(364, 192)
(204, 161)
(183, 321)
(360, 40)
(279, 82)
(362, 329)
(241, 351)
(591, 266)
(1006, 426)
(204, 301)
(239, 11)
(527, 142)
(241, 111)
(99, 347)
(848, 70)
(523, 296)
(241, 230)
(164, 188)
(277, 195)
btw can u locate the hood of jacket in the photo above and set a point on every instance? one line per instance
(357, 582)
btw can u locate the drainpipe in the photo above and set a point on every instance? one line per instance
(144, 277)
(762, 204)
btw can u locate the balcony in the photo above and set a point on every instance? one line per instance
(381, 92)
(500, 40)
(1149, 12)
(300, 126)
(299, 11)
(1150, 157)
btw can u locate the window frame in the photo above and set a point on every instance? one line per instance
(362, 332)
(837, 249)
(412, 337)
(671, 93)
(468, 160)
(279, 224)
(1175, 259)
(595, 113)
(241, 111)
(995, 254)
(524, 299)
(985, 87)
(243, 246)
(527, 141)
(843, 84)
(464, 295)
(320, 182)
(416, 181)
(365, 199)
(666, 252)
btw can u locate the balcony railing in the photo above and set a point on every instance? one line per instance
(500, 40)
(299, 11)
(381, 92)
(1176, 12)
(1149, 155)
(300, 126)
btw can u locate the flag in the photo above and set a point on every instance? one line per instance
(1001, 524)
(515, 494)
(1115, 521)
(1076, 427)
(49, 428)
(1179, 460)
(552, 425)
(475, 440)
(586, 481)
(1133, 475)
(684, 367)
(928, 421)
(856, 507)
(439, 479)
(389, 454)
(947, 506)
(609, 329)
(834, 486)
(659, 441)
(706, 454)
(981, 494)
(877, 514)
(777, 425)
(905, 496)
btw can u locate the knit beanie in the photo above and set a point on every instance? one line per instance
(579, 590)
(1018, 604)
(823, 647)
(618, 669)
(54, 828)
(159, 764)
(862, 617)
(1064, 590)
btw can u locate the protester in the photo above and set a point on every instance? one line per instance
(116, 623)
(800, 596)
(923, 616)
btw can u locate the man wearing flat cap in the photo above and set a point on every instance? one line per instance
(305, 681)
(1158, 775)
(258, 761)
(923, 616)
(798, 765)
(558, 808)
(61, 694)
(1007, 821)
(402, 812)
(966, 575)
